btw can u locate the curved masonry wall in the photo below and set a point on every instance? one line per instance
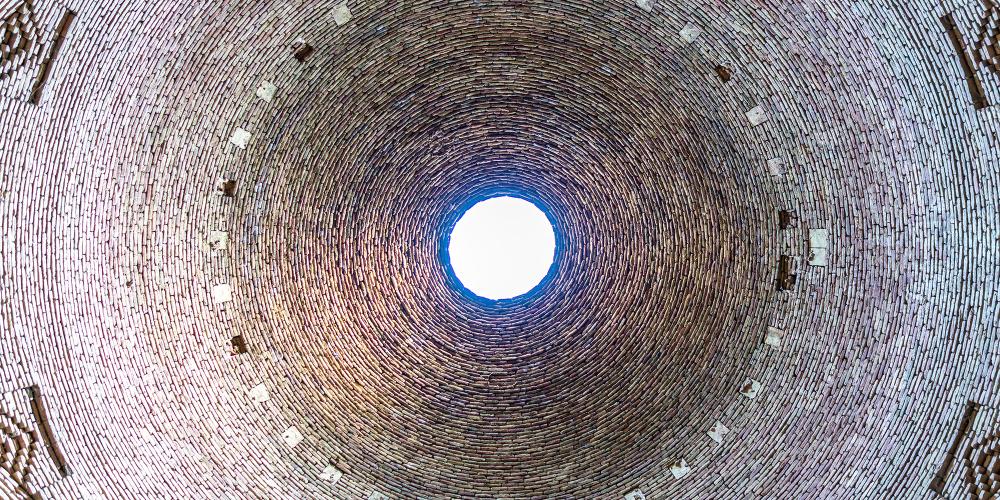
(220, 230)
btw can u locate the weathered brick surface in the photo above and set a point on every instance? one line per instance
(191, 174)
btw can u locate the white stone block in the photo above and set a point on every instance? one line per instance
(332, 474)
(776, 166)
(690, 33)
(635, 495)
(818, 257)
(718, 431)
(680, 469)
(240, 138)
(218, 240)
(818, 244)
(292, 436)
(773, 336)
(378, 496)
(750, 388)
(266, 91)
(222, 293)
(818, 238)
(342, 14)
(259, 393)
(757, 115)
(646, 5)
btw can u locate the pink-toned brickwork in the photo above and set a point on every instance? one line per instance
(220, 232)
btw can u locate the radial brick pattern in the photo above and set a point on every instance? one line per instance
(221, 228)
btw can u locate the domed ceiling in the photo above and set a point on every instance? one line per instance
(222, 275)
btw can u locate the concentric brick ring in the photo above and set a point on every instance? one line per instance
(537, 385)
(222, 251)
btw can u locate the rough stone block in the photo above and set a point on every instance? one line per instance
(342, 14)
(218, 240)
(292, 436)
(818, 256)
(718, 432)
(680, 469)
(222, 293)
(776, 166)
(266, 91)
(757, 116)
(773, 336)
(690, 32)
(818, 247)
(818, 238)
(332, 474)
(240, 138)
(750, 388)
(259, 393)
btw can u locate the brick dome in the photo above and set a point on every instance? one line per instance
(221, 229)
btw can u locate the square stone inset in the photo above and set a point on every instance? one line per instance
(332, 474)
(342, 14)
(776, 166)
(240, 138)
(266, 91)
(718, 431)
(818, 257)
(217, 240)
(757, 115)
(690, 33)
(292, 436)
(750, 388)
(680, 469)
(259, 393)
(818, 238)
(222, 293)
(773, 337)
